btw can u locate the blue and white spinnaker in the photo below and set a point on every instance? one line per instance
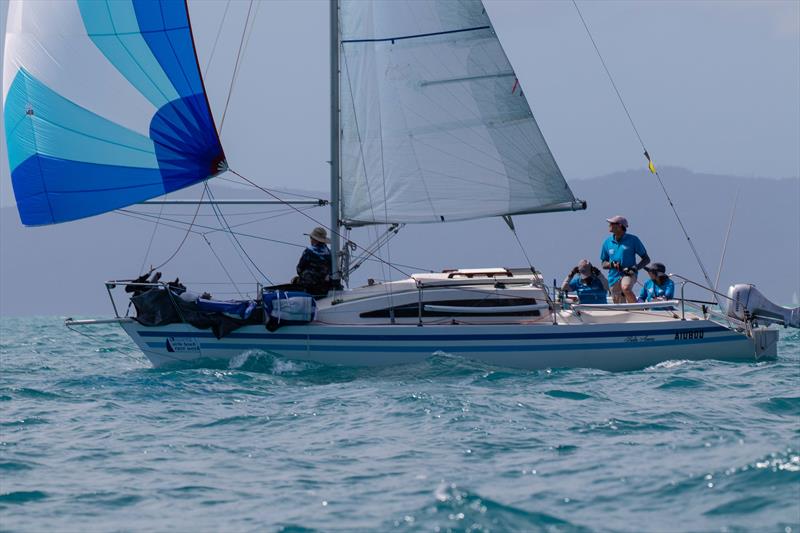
(104, 106)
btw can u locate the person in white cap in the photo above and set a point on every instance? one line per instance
(587, 282)
(314, 267)
(618, 256)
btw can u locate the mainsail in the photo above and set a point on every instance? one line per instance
(435, 126)
(104, 106)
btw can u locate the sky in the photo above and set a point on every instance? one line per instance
(713, 86)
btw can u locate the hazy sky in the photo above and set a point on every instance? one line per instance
(714, 86)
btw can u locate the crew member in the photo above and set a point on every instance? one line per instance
(619, 258)
(314, 267)
(587, 282)
(659, 286)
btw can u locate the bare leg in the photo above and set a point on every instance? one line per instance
(627, 284)
(616, 293)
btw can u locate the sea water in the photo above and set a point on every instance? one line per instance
(93, 439)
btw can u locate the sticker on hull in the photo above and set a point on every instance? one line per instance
(182, 345)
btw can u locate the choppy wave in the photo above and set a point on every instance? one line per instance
(93, 438)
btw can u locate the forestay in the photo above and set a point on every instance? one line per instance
(435, 126)
(104, 106)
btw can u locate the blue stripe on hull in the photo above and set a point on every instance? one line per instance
(431, 337)
(516, 348)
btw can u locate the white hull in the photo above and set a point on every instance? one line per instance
(613, 347)
(495, 316)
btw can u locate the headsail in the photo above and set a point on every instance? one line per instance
(104, 106)
(435, 126)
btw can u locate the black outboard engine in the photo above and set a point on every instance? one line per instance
(747, 302)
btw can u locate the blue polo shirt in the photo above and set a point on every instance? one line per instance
(593, 293)
(625, 251)
(653, 290)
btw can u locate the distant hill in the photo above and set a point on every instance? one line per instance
(59, 270)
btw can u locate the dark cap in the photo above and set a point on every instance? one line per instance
(656, 268)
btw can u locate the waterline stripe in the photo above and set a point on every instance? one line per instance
(456, 349)
(431, 337)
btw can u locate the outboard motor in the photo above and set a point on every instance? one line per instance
(747, 302)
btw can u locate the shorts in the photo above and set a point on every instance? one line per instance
(626, 282)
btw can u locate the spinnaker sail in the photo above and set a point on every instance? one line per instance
(104, 106)
(435, 126)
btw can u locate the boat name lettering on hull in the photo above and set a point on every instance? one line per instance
(688, 334)
(640, 338)
(182, 345)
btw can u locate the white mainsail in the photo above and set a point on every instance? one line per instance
(434, 124)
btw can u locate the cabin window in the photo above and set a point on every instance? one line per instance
(412, 310)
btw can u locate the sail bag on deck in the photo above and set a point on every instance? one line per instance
(104, 106)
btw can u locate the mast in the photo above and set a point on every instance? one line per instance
(334, 22)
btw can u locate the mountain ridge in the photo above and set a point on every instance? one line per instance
(60, 269)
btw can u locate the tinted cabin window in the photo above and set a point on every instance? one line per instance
(412, 310)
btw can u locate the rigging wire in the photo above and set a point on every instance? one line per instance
(279, 214)
(186, 236)
(252, 25)
(385, 217)
(230, 215)
(147, 217)
(380, 241)
(608, 73)
(519, 242)
(727, 234)
(221, 264)
(541, 284)
(332, 230)
(216, 39)
(152, 237)
(290, 193)
(182, 225)
(646, 154)
(235, 68)
(125, 350)
(138, 215)
(222, 227)
(229, 230)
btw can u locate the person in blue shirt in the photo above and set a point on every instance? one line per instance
(587, 282)
(618, 256)
(659, 286)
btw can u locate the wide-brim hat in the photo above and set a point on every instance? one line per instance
(618, 219)
(319, 234)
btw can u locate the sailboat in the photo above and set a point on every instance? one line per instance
(105, 107)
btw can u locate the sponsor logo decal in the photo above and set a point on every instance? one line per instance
(182, 344)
